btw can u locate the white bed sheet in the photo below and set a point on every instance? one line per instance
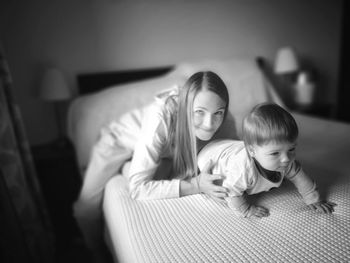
(195, 229)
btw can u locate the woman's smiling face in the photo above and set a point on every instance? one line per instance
(208, 114)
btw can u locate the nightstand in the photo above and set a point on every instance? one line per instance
(60, 182)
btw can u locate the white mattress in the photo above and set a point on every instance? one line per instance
(196, 229)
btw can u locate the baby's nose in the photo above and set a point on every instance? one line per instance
(285, 158)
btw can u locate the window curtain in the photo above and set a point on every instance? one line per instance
(26, 234)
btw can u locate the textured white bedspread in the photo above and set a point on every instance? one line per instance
(196, 229)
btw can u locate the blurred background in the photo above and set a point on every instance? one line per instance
(303, 45)
(82, 36)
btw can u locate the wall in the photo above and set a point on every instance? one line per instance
(96, 35)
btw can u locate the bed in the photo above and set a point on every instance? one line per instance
(195, 228)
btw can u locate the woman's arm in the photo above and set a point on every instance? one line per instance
(143, 168)
(189, 188)
(205, 183)
(150, 148)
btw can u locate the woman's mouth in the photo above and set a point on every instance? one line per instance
(207, 131)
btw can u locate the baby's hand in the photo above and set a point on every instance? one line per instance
(323, 207)
(258, 211)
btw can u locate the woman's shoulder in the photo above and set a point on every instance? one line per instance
(167, 97)
(165, 105)
(159, 117)
(164, 94)
(165, 101)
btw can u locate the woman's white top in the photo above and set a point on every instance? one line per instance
(145, 133)
(151, 149)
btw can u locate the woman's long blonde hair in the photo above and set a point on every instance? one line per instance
(185, 146)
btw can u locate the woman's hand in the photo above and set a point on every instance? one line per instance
(210, 184)
(323, 207)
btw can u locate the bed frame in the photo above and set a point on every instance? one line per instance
(92, 82)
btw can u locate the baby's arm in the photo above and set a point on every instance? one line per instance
(308, 189)
(242, 208)
(238, 180)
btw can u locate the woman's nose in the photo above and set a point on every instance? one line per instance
(208, 121)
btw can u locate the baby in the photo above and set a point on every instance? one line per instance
(261, 161)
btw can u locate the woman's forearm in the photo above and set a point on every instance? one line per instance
(189, 187)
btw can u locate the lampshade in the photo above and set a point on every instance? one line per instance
(286, 61)
(54, 86)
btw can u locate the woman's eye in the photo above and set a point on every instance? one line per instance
(292, 150)
(219, 113)
(199, 112)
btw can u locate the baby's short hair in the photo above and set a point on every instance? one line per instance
(268, 122)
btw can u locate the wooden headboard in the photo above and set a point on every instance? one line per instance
(95, 81)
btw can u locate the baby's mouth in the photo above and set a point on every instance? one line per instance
(283, 167)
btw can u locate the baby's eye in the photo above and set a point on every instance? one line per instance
(274, 153)
(292, 149)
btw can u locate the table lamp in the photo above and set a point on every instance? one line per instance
(286, 68)
(54, 88)
(286, 61)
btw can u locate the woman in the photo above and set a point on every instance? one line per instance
(173, 130)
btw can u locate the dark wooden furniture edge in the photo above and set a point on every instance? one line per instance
(95, 81)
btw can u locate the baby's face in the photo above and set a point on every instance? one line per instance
(274, 156)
